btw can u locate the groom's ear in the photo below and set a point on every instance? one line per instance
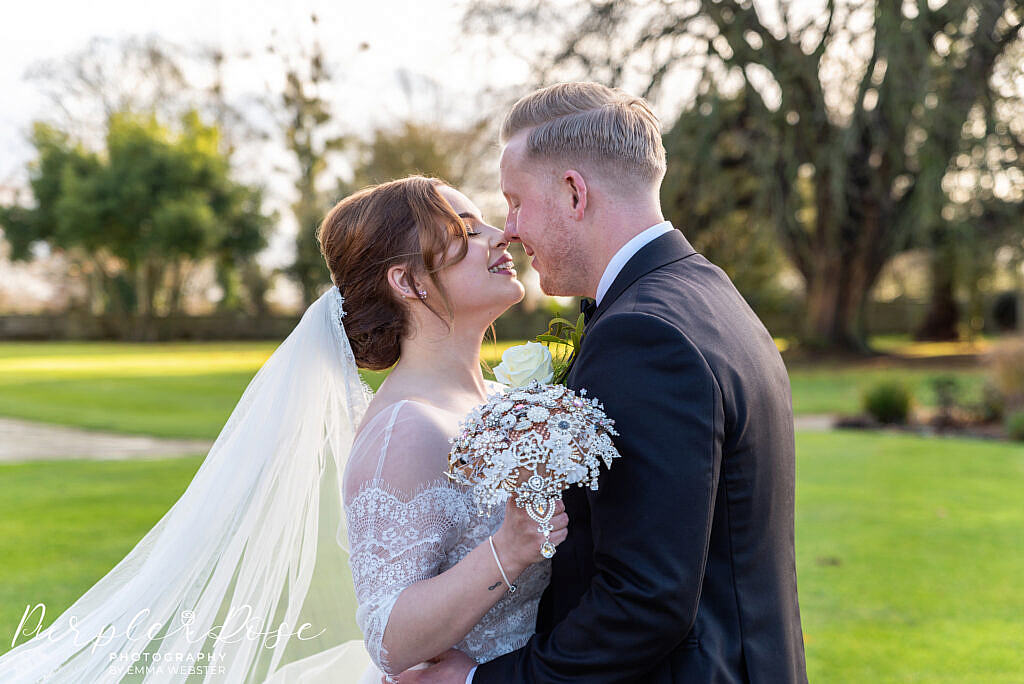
(577, 189)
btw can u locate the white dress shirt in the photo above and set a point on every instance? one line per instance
(626, 253)
(611, 271)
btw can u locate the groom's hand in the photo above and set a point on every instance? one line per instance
(451, 667)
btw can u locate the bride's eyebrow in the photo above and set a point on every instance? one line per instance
(469, 215)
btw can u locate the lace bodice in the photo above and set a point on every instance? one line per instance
(407, 523)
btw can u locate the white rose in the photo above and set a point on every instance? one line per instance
(524, 362)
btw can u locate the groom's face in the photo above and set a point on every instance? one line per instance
(539, 218)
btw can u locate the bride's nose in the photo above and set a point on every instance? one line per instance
(498, 239)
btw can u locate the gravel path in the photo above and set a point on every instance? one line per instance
(814, 423)
(22, 440)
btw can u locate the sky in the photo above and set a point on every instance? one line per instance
(419, 40)
(419, 37)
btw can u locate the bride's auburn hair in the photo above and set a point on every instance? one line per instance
(404, 222)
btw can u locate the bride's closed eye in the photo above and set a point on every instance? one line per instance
(468, 223)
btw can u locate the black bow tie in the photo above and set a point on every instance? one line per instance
(587, 308)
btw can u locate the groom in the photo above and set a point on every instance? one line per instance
(680, 568)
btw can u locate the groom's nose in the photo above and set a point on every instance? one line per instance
(511, 232)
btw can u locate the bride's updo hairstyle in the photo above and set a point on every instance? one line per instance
(404, 222)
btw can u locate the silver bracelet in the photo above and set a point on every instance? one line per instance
(511, 587)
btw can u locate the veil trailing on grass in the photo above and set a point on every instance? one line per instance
(247, 571)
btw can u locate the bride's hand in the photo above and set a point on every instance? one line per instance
(451, 666)
(518, 542)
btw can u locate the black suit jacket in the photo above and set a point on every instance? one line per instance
(680, 568)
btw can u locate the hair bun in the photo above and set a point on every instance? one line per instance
(404, 222)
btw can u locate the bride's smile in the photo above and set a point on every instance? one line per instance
(504, 265)
(485, 279)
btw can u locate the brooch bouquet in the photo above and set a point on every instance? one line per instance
(534, 440)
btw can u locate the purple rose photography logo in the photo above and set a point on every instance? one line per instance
(237, 626)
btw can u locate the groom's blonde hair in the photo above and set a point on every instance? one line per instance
(587, 121)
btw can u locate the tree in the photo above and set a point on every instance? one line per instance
(868, 100)
(311, 138)
(407, 149)
(147, 74)
(153, 202)
(107, 76)
(984, 206)
(713, 191)
(237, 271)
(429, 149)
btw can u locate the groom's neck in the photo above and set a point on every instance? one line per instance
(618, 223)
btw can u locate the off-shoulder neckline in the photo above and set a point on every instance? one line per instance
(492, 383)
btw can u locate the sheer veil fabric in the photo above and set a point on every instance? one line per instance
(243, 579)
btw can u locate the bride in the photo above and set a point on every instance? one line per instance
(243, 580)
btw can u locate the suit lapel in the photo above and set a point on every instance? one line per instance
(671, 246)
(663, 250)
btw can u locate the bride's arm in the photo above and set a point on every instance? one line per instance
(402, 525)
(432, 615)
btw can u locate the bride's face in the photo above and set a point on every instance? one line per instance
(484, 282)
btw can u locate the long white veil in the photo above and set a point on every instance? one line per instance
(247, 571)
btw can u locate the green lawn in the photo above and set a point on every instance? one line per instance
(910, 554)
(188, 389)
(169, 390)
(909, 551)
(834, 389)
(63, 525)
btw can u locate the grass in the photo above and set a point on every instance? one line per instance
(184, 390)
(838, 389)
(909, 550)
(187, 390)
(910, 553)
(63, 525)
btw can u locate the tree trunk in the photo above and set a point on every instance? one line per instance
(227, 278)
(834, 313)
(175, 294)
(839, 278)
(147, 278)
(941, 323)
(257, 284)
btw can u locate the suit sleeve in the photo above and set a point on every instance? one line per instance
(651, 517)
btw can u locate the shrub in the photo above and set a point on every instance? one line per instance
(992, 406)
(947, 391)
(1015, 426)
(1006, 370)
(888, 402)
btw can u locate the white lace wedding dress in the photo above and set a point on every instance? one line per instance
(407, 523)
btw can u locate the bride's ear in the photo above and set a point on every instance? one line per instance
(402, 282)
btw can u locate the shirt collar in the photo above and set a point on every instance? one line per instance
(626, 252)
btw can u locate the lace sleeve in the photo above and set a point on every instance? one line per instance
(403, 517)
